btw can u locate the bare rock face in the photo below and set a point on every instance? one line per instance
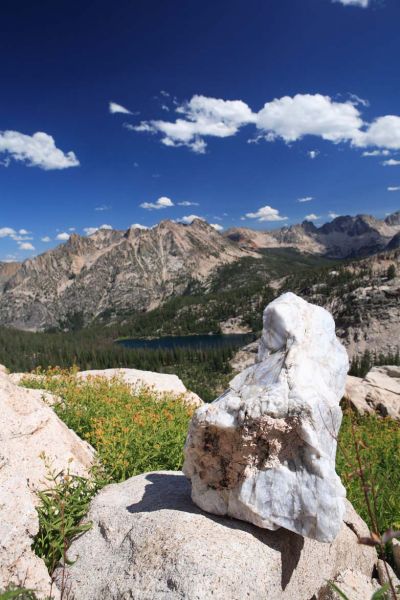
(28, 428)
(149, 541)
(264, 452)
(378, 393)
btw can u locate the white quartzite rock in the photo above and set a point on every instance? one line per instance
(264, 452)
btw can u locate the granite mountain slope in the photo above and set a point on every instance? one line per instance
(344, 237)
(112, 271)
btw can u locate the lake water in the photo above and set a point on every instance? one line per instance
(194, 342)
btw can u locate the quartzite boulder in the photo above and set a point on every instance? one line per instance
(264, 452)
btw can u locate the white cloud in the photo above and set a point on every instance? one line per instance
(92, 230)
(102, 207)
(289, 118)
(20, 238)
(164, 93)
(376, 153)
(23, 232)
(266, 213)
(45, 239)
(361, 3)
(202, 116)
(37, 150)
(312, 217)
(187, 203)
(305, 199)
(332, 215)
(138, 226)
(305, 114)
(394, 188)
(162, 202)
(217, 226)
(5, 162)
(115, 108)
(391, 163)
(64, 236)
(26, 246)
(188, 220)
(384, 132)
(7, 232)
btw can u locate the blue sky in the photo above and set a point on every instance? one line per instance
(238, 109)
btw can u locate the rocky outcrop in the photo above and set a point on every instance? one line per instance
(28, 429)
(148, 540)
(265, 450)
(112, 272)
(378, 393)
(344, 237)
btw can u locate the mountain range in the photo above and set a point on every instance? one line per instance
(114, 271)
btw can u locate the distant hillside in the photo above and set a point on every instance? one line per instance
(344, 237)
(111, 273)
(364, 298)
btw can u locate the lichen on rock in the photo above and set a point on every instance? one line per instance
(264, 452)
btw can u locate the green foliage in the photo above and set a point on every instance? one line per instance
(361, 364)
(62, 506)
(13, 593)
(133, 432)
(391, 272)
(380, 453)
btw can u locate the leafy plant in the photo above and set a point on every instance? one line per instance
(133, 432)
(62, 506)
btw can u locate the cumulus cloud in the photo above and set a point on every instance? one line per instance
(91, 230)
(162, 202)
(115, 108)
(266, 213)
(188, 219)
(138, 226)
(63, 236)
(26, 246)
(332, 214)
(217, 226)
(392, 162)
(305, 199)
(7, 232)
(201, 116)
(37, 150)
(394, 188)
(376, 153)
(289, 118)
(45, 239)
(384, 132)
(361, 3)
(312, 217)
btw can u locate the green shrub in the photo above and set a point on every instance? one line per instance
(380, 454)
(62, 506)
(133, 432)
